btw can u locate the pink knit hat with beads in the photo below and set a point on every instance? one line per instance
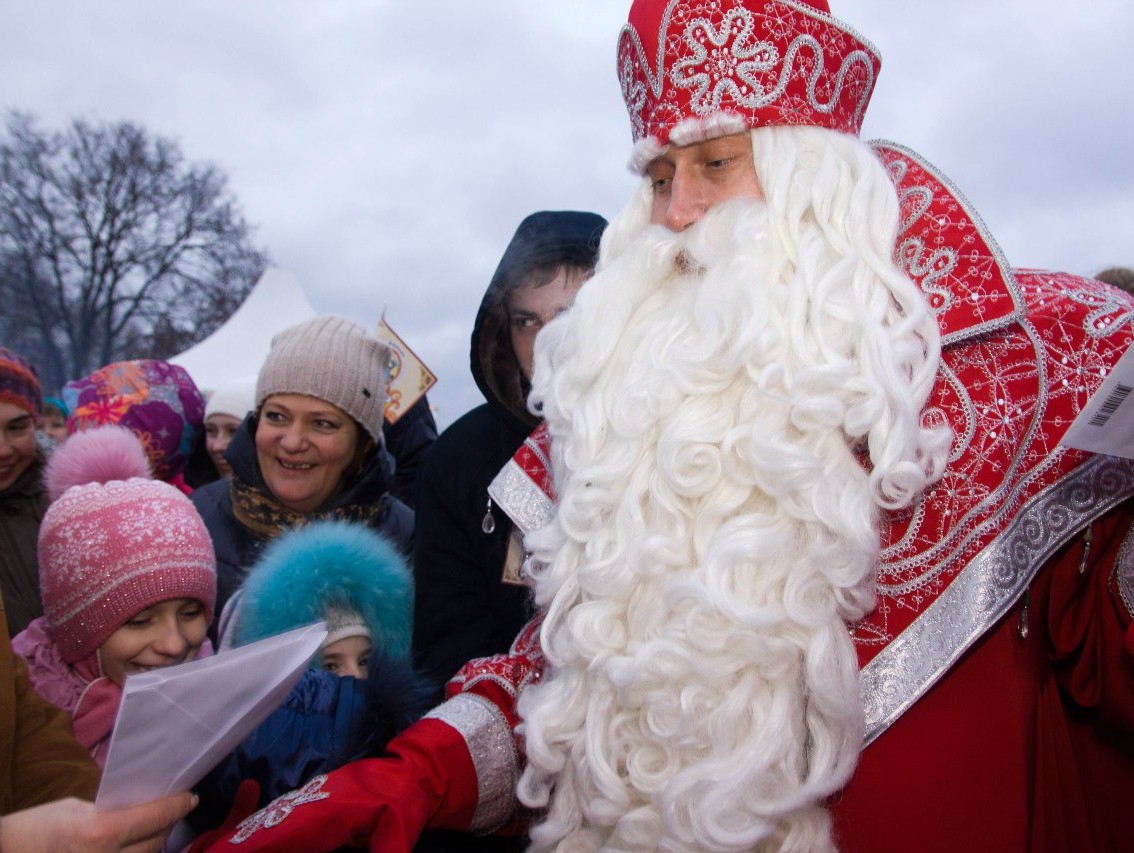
(114, 542)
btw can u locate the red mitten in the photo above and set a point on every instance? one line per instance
(427, 780)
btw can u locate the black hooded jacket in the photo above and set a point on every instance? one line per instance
(463, 608)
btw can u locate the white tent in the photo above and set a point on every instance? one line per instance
(239, 347)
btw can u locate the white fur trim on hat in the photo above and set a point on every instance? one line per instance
(688, 132)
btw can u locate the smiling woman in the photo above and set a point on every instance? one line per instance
(313, 449)
(305, 447)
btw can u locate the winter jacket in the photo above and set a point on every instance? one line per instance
(408, 440)
(237, 547)
(40, 760)
(464, 608)
(22, 506)
(326, 721)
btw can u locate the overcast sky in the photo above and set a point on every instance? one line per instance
(386, 151)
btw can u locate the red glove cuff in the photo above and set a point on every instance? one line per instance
(428, 780)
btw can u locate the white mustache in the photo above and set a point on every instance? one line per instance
(710, 241)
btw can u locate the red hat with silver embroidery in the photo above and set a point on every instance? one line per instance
(695, 69)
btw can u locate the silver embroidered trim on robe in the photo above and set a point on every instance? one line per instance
(987, 588)
(524, 502)
(494, 755)
(1124, 572)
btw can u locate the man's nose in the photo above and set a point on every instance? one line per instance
(686, 202)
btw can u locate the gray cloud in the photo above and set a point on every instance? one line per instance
(387, 151)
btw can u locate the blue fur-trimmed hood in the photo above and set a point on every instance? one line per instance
(329, 563)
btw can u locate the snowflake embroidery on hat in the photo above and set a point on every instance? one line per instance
(718, 59)
(767, 62)
(278, 809)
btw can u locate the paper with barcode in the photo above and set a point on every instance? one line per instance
(176, 723)
(1106, 424)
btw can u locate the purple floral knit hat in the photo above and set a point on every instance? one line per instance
(155, 400)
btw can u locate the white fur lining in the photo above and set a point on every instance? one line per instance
(686, 132)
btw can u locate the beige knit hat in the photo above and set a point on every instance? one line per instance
(332, 359)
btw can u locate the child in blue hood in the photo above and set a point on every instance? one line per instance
(353, 579)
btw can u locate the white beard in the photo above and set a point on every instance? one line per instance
(715, 531)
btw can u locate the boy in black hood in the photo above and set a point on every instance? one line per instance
(470, 600)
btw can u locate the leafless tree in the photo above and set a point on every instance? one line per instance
(113, 247)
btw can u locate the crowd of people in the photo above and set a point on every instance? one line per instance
(763, 539)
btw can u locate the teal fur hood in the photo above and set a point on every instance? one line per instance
(325, 565)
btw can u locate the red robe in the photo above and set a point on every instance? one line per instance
(996, 669)
(1026, 744)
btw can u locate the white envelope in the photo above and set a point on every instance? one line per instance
(1106, 424)
(175, 724)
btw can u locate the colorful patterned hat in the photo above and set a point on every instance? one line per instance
(19, 384)
(156, 400)
(694, 69)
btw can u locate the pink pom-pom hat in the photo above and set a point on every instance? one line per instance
(114, 543)
(95, 456)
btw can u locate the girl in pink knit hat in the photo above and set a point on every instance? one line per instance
(128, 579)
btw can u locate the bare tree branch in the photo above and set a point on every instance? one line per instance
(113, 247)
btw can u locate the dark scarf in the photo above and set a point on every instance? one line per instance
(267, 518)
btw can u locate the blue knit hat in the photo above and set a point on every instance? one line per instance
(333, 571)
